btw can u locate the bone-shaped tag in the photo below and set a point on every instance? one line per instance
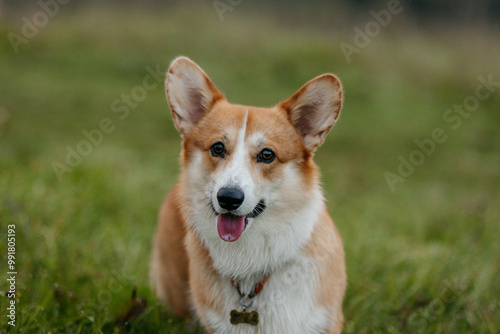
(251, 318)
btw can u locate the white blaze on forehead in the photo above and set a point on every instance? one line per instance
(237, 172)
(240, 151)
(233, 173)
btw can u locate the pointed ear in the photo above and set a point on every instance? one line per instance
(190, 93)
(314, 109)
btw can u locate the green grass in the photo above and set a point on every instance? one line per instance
(422, 259)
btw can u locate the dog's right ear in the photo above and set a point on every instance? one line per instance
(314, 109)
(190, 93)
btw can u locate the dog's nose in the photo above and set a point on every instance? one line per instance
(230, 198)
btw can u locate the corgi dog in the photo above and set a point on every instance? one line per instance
(244, 239)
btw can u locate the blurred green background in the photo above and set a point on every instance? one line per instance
(422, 252)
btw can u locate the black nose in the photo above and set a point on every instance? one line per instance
(230, 198)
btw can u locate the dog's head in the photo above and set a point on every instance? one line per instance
(248, 168)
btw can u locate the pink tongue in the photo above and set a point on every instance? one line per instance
(230, 227)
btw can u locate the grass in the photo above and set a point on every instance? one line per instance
(423, 258)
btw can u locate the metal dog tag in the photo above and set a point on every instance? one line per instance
(251, 318)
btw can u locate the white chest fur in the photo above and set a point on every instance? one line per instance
(286, 304)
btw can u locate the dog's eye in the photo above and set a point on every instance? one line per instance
(266, 155)
(218, 150)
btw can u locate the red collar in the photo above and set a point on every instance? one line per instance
(256, 289)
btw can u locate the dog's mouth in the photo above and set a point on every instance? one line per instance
(230, 227)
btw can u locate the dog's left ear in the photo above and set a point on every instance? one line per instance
(190, 93)
(314, 109)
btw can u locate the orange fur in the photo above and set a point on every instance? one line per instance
(170, 265)
(326, 247)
